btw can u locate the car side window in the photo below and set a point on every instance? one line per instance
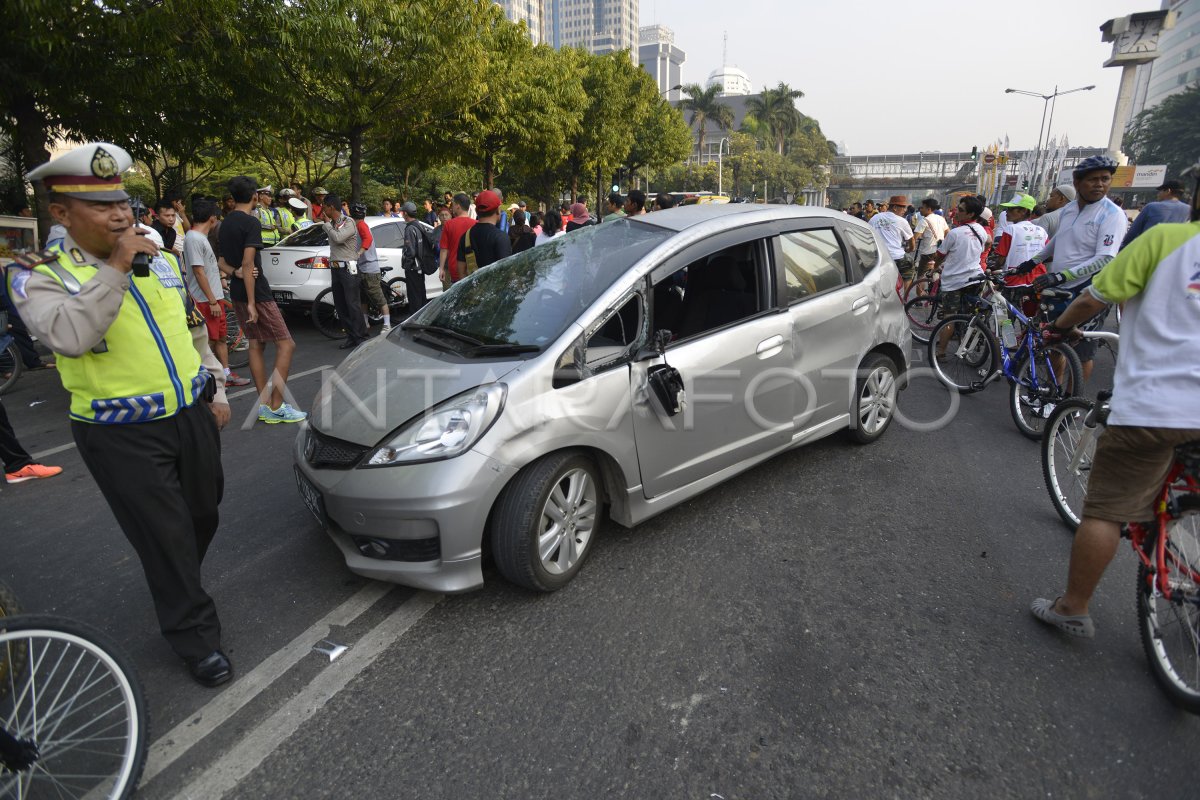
(388, 235)
(862, 240)
(711, 292)
(813, 262)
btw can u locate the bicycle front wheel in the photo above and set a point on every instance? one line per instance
(10, 366)
(1067, 448)
(1170, 628)
(963, 353)
(325, 316)
(922, 313)
(1055, 375)
(235, 340)
(77, 707)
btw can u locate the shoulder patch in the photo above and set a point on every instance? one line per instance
(19, 279)
(31, 259)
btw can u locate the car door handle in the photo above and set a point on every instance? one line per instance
(770, 347)
(860, 305)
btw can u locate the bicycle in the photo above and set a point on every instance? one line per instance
(72, 710)
(325, 316)
(11, 364)
(923, 311)
(1040, 375)
(1069, 442)
(238, 346)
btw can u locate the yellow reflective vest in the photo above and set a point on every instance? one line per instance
(272, 230)
(146, 367)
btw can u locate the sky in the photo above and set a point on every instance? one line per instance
(902, 77)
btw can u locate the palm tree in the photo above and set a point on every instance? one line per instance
(776, 108)
(705, 107)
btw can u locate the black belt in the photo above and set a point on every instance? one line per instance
(339, 264)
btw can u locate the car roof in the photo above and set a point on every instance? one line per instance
(715, 215)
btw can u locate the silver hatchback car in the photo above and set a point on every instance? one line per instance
(613, 372)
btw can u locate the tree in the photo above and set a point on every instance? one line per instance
(372, 75)
(661, 139)
(703, 106)
(1168, 134)
(776, 109)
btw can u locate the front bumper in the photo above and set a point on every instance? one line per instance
(436, 511)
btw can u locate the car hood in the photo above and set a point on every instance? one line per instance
(389, 381)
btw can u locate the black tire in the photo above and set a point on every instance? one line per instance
(1170, 629)
(920, 286)
(395, 294)
(1031, 408)
(876, 393)
(969, 372)
(10, 365)
(235, 341)
(529, 547)
(325, 316)
(9, 607)
(1065, 438)
(922, 313)
(109, 739)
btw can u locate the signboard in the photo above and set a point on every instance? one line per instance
(989, 158)
(1130, 177)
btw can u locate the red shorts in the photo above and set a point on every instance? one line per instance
(270, 326)
(218, 328)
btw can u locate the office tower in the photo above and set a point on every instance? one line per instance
(531, 12)
(658, 55)
(598, 26)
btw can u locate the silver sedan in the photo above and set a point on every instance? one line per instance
(610, 374)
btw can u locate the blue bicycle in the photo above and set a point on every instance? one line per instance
(969, 351)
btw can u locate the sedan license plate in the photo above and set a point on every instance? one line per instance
(311, 496)
(282, 297)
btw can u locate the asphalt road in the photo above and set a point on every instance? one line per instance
(842, 621)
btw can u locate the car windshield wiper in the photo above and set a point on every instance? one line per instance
(501, 349)
(453, 334)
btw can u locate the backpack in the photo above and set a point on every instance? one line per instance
(466, 254)
(427, 247)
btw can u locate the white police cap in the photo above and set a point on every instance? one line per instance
(91, 171)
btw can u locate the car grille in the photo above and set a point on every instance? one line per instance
(325, 451)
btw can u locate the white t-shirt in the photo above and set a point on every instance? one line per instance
(1028, 240)
(962, 247)
(931, 230)
(895, 231)
(542, 238)
(1084, 235)
(197, 251)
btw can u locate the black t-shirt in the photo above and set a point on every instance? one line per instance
(489, 243)
(168, 234)
(240, 230)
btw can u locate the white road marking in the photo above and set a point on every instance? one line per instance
(254, 748)
(62, 448)
(245, 688)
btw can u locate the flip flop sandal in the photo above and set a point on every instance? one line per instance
(1080, 625)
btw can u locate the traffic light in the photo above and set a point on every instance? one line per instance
(975, 153)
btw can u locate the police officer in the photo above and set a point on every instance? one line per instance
(268, 217)
(147, 394)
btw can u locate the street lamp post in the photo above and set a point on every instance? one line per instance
(1038, 166)
(668, 91)
(721, 165)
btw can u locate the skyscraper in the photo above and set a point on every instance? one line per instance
(531, 12)
(659, 56)
(1178, 66)
(598, 26)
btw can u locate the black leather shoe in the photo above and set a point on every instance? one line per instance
(212, 670)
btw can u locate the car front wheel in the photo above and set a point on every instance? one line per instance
(545, 520)
(875, 396)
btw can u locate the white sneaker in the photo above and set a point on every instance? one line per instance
(385, 329)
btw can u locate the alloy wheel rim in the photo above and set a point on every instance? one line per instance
(567, 522)
(878, 400)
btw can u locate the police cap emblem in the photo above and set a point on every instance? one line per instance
(104, 165)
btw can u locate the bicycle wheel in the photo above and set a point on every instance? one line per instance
(237, 343)
(970, 353)
(10, 365)
(9, 607)
(1033, 396)
(1170, 629)
(325, 316)
(1067, 448)
(922, 313)
(396, 297)
(918, 288)
(79, 703)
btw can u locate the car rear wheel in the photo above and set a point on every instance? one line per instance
(545, 520)
(875, 396)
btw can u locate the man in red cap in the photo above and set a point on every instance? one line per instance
(484, 243)
(897, 234)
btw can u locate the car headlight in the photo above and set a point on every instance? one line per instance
(447, 430)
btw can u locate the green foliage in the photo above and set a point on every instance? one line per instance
(703, 106)
(775, 109)
(1168, 133)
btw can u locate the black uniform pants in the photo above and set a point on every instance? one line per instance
(12, 455)
(414, 289)
(346, 301)
(163, 482)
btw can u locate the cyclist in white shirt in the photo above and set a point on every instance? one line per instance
(930, 231)
(1089, 235)
(1022, 240)
(958, 257)
(897, 235)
